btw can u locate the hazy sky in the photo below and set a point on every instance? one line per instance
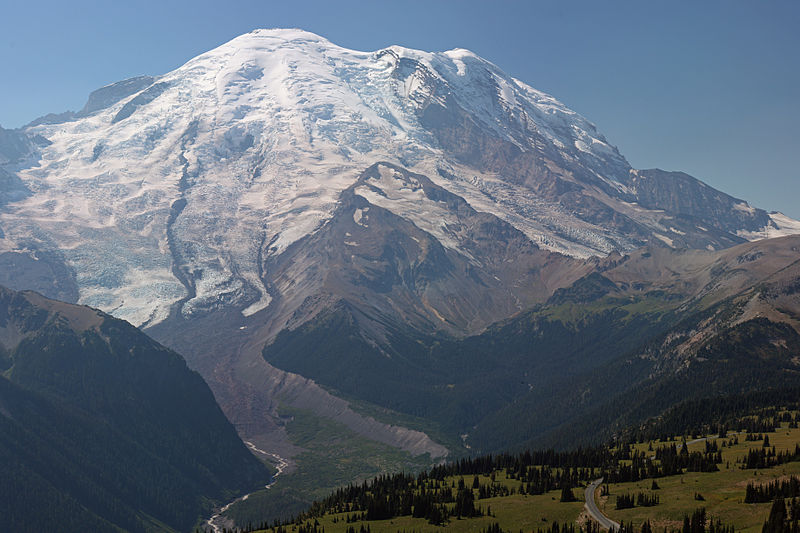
(708, 87)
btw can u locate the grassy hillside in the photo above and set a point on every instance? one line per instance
(722, 493)
(527, 492)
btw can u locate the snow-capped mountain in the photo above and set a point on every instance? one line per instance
(174, 193)
(396, 227)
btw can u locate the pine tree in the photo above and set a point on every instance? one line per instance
(567, 495)
(776, 522)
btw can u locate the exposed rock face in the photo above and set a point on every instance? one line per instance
(44, 272)
(12, 189)
(16, 146)
(111, 94)
(403, 250)
(683, 196)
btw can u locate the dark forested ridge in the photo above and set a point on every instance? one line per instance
(752, 364)
(461, 383)
(590, 363)
(102, 428)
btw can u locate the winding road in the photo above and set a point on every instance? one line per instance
(217, 522)
(591, 507)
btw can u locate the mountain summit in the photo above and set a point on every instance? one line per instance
(172, 194)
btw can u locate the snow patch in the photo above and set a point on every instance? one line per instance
(663, 238)
(404, 196)
(359, 215)
(261, 304)
(779, 226)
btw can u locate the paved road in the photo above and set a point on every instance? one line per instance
(591, 507)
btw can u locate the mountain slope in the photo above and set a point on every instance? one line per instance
(356, 304)
(637, 326)
(246, 149)
(416, 232)
(405, 251)
(104, 429)
(719, 323)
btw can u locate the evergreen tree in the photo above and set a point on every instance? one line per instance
(777, 520)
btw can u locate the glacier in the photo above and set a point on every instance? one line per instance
(173, 199)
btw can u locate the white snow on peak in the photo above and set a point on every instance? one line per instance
(227, 160)
(779, 226)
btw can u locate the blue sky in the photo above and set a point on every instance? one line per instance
(709, 87)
